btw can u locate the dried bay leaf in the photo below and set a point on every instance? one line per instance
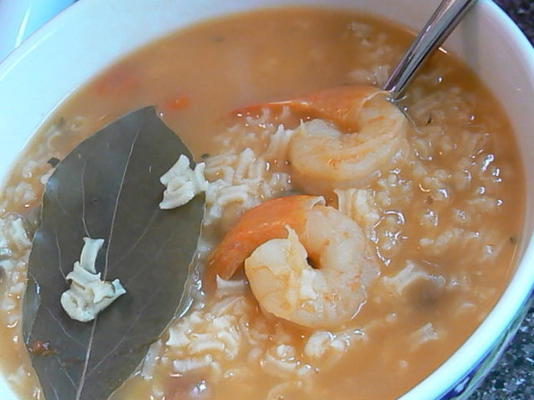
(108, 187)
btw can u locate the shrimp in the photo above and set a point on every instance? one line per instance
(323, 158)
(263, 222)
(276, 242)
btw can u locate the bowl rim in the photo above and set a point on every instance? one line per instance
(520, 289)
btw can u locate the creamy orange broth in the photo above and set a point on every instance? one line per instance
(196, 77)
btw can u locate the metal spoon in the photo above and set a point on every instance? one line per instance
(437, 29)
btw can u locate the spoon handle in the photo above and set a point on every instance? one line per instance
(436, 30)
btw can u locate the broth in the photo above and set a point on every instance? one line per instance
(455, 213)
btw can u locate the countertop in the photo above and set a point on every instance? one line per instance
(513, 376)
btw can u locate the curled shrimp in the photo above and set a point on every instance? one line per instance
(323, 158)
(276, 242)
(257, 225)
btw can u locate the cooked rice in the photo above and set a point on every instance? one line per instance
(182, 183)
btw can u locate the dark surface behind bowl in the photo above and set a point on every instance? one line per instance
(513, 376)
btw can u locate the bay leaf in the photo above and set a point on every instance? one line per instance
(108, 187)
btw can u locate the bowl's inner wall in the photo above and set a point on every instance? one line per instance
(91, 35)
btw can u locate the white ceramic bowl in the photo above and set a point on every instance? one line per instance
(93, 34)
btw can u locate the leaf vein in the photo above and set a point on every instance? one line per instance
(58, 360)
(156, 256)
(86, 360)
(64, 329)
(59, 257)
(86, 230)
(132, 325)
(139, 238)
(116, 206)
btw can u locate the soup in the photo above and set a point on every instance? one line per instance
(437, 217)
